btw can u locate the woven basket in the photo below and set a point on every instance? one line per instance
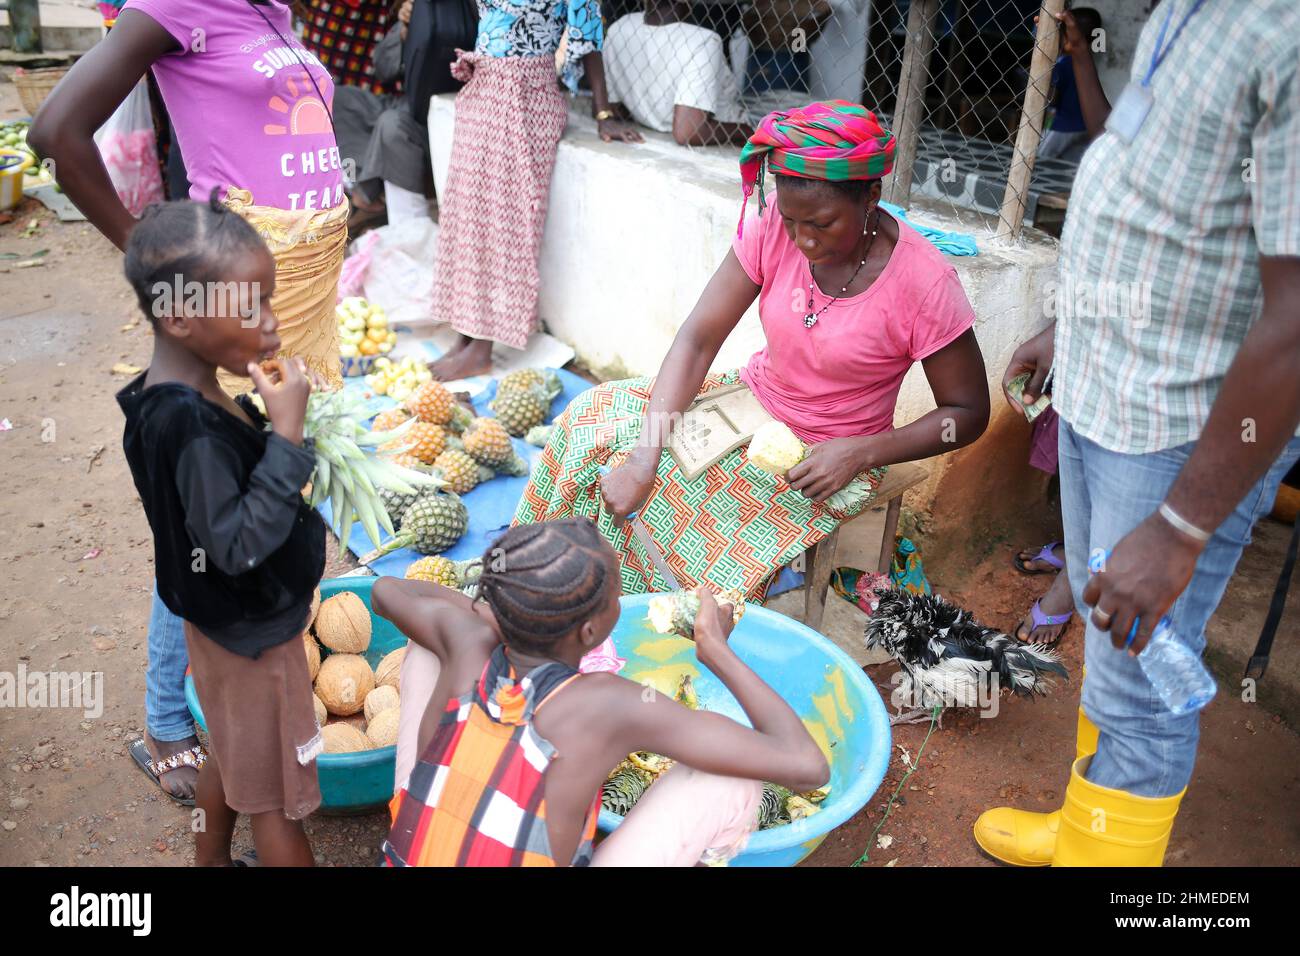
(35, 85)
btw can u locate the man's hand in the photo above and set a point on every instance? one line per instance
(1141, 580)
(615, 129)
(828, 467)
(1034, 357)
(404, 16)
(284, 392)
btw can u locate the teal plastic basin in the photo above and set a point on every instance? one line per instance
(357, 782)
(839, 705)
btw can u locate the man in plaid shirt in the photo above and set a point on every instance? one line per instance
(1176, 357)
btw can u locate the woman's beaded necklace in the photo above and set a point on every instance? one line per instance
(810, 318)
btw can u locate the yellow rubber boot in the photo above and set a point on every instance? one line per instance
(1023, 837)
(1104, 827)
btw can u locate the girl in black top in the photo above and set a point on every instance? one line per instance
(238, 552)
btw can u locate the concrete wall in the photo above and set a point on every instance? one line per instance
(1123, 21)
(633, 234)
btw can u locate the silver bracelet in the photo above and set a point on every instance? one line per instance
(1182, 524)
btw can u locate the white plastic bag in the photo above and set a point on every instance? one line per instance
(130, 152)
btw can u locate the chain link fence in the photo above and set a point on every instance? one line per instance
(958, 81)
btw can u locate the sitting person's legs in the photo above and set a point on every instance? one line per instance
(686, 817)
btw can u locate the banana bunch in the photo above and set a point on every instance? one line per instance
(348, 476)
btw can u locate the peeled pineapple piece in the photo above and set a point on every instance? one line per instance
(775, 448)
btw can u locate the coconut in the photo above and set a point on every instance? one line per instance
(388, 672)
(379, 699)
(343, 623)
(342, 738)
(313, 654)
(318, 705)
(343, 683)
(357, 720)
(315, 607)
(382, 731)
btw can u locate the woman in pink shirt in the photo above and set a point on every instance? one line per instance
(849, 299)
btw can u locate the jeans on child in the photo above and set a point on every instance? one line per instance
(1143, 748)
(166, 715)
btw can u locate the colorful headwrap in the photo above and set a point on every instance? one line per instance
(831, 140)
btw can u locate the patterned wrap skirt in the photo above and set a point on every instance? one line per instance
(509, 118)
(735, 525)
(308, 247)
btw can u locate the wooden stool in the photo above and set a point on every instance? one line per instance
(820, 561)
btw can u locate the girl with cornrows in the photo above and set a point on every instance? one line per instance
(514, 742)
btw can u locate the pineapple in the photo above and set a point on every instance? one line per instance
(426, 442)
(432, 524)
(519, 411)
(431, 403)
(539, 435)
(674, 612)
(435, 568)
(396, 503)
(487, 442)
(345, 474)
(390, 419)
(526, 379)
(458, 469)
(461, 418)
(775, 449)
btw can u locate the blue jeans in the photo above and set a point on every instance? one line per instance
(166, 715)
(1143, 748)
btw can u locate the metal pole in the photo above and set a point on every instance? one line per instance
(1046, 45)
(25, 23)
(913, 79)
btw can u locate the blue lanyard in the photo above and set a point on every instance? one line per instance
(1162, 50)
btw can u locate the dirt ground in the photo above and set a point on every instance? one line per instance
(77, 558)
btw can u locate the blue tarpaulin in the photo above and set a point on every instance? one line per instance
(491, 504)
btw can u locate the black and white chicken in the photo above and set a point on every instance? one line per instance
(950, 659)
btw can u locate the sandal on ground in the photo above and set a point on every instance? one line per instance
(194, 757)
(1041, 618)
(247, 858)
(1044, 555)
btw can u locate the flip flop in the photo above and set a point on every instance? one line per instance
(1044, 555)
(1042, 619)
(247, 858)
(194, 757)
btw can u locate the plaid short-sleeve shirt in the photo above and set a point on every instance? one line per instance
(1158, 279)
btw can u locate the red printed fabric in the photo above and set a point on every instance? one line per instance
(509, 118)
(343, 37)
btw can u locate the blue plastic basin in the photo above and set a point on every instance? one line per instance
(354, 782)
(838, 703)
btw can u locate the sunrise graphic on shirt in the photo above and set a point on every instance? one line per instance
(303, 110)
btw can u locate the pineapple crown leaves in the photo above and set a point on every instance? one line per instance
(345, 474)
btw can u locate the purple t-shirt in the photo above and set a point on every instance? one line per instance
(245, 109)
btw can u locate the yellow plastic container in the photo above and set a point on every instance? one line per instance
(13, 163)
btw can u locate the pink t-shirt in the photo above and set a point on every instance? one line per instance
(841, 377)
(245, 110)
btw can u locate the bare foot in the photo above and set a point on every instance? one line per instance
(465, 362)
(1032, 562)
(179, 782)
(1056, 602)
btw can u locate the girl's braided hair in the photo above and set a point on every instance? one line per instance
(183, 242)
(543, 580)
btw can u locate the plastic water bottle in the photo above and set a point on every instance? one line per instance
(1175, 671)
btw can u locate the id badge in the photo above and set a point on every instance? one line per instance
(1129, 112)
